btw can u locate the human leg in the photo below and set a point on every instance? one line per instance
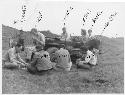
(10, 65)
(31, 69)
(83, 65)
(69, 67)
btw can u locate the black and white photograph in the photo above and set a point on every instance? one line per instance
(62, 47)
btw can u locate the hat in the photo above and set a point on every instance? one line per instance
(33, 30)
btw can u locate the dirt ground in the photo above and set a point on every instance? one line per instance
(106, 77)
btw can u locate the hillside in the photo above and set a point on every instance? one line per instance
(9, 32)
(106, 77)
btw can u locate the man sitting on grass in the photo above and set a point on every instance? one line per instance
(90, 59)
(12, 58)
(63, 60)
(40, 62)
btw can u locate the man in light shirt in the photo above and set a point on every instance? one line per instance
(38, 38)
(12, 58)
(90, 59)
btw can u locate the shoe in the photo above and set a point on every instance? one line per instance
(24, 68)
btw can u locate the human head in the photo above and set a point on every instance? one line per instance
(89, 32)
(18, 48)
(21, 31)
(33, 31)
(64, 29)
(95, 51)
(83, 32)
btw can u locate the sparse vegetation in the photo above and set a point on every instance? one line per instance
(106, 77)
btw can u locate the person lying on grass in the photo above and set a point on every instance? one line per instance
(90, 59)
(12, 58)
(40, 62)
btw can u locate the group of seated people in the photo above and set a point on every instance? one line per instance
(40, 59)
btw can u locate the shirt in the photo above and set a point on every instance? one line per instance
(43, 60)
(63, 58)
(12, 43)
(40, 37)
(64, 35)
(91, 58)
(84, 38)
(11, 55)
(28, 51)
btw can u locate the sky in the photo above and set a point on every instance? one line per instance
(54, 11)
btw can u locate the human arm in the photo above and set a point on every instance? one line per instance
(21, 60)
(37, 41)
(13, 58)
(33, 62)
(35, 57)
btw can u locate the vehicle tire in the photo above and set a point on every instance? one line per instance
(53, 58)
(51, 51)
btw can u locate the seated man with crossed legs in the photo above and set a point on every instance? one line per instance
(12, 58)
(90, 59)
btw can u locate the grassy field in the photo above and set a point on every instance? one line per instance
(106, 77)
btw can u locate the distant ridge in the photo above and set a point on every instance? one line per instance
(9, 29)
(10, 32)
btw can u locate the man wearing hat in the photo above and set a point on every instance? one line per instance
(89, 61)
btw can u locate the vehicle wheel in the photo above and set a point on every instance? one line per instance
(51, 51)
(53, 58)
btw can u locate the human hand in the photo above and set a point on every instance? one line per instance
(26, 64)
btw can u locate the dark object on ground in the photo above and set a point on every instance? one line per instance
(11, 68)
(33, 70)
(84, 66)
